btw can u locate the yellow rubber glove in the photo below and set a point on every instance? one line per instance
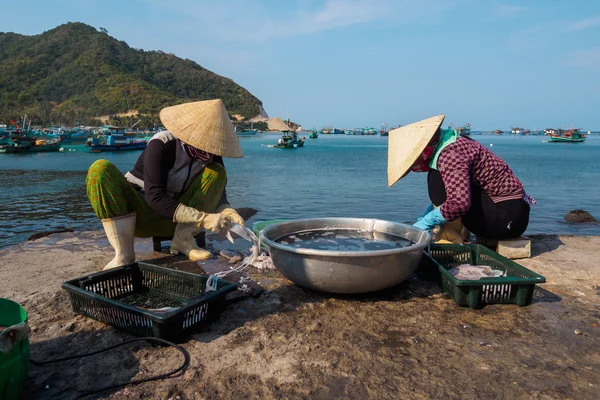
(230, 214)
(213, 222)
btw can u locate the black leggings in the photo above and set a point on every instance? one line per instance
(486, 219)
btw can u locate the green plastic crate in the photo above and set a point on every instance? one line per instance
(515, 288)
(125, 297)
(14, 366)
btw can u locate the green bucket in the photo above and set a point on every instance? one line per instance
(260, 225)
(14, 365)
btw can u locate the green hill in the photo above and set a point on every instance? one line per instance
(75, 73)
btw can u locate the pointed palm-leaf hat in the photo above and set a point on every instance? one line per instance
(407, 143)
(204, 125)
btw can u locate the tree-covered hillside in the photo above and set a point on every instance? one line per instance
(75, 72)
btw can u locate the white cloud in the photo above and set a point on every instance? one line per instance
(589, 59)
(583, 24)
(252, 21)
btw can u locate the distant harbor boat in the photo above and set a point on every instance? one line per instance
(24, 144)
(519, 131)
(464, 130)
(313, 134)
(113, 138)
(289, 140)
(384, 131)
(369, 131)
(572, 135)
(247, 132)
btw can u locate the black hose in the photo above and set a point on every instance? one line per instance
(183, 367)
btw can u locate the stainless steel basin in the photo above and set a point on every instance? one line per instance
(345, 271)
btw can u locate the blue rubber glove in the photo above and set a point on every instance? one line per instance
(429, 209)
(430, 220)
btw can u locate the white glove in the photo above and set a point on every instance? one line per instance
(230, 214)
(213, 222)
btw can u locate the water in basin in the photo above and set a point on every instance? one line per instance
(343, 240)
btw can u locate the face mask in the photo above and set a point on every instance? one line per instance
(422, 163)
(197, 154)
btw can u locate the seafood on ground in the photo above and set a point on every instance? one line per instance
(475, 272)
(235, 259)
(228, 254)
(264, 261)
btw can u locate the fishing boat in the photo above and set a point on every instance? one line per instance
(463, 130)
(313, 134)
(26, 144)
(114, 138)
(498, 132)
(67, 135)
(326, 131)
(384, 131)
(247, 132)
(572, 135)
(289, 140)
(349, 132)
(369, 131)
(517, 131)
(336, 131)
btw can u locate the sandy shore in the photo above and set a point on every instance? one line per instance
(411, 342)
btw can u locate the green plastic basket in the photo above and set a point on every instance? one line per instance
(515, 288)
(14, 366)
(125, 298)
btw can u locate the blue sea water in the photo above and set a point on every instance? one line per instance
(334, 175)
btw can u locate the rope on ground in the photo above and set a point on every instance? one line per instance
(181, 368)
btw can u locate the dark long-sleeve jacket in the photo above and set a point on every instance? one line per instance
(164, 171)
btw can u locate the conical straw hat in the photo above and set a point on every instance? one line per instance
(407, 143)
(204, 125)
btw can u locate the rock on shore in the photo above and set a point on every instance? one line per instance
(580, 216)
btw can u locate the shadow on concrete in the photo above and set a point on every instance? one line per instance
(541, 295)
(544, 244)
(413, 288)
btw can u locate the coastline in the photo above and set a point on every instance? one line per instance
(408, 342)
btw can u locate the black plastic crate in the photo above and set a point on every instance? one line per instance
(516, 287)
(128, 298)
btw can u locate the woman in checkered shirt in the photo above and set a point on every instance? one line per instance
(467, 183)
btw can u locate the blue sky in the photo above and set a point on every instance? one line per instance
(356, 63)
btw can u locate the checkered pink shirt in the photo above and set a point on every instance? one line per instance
(465, 162)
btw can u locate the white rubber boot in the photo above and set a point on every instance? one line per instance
(120, 232)
(184, 242)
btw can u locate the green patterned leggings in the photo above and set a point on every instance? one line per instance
(112, 196)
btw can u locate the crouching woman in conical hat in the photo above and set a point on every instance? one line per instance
(177, 186)
(467, 183)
